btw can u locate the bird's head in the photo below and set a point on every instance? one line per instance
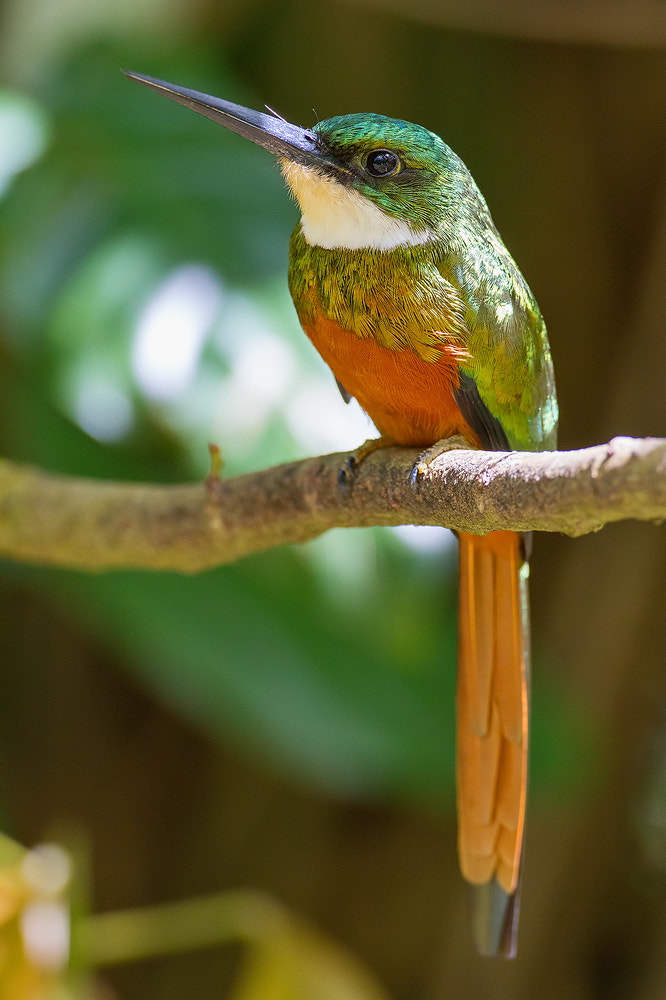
(378, 182)
(361, 180)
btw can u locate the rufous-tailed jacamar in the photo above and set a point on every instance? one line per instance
(401, 281)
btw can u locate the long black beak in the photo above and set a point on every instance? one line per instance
(274, 134)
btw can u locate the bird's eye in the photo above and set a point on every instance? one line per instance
(382, 163)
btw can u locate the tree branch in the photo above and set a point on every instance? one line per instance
(88, 524)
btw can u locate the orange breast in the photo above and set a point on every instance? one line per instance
(408, 399)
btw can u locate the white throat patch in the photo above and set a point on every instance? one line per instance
(336, 217)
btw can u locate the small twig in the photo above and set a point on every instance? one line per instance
(87, 524)
(146, 932)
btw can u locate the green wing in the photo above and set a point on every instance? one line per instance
(510, 365)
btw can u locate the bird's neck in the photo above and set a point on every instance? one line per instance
(336, 216)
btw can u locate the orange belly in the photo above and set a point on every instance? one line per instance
(408, 399)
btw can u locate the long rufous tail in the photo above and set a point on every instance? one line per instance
(492, 721)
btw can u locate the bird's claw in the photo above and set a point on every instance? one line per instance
(426, 459)
(419, 470)
(347, 473)
(352, 463)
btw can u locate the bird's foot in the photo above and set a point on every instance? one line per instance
(350, 466)
(426, 458)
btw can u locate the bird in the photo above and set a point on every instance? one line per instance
(404, 286)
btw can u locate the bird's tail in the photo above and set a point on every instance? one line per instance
(492, 720)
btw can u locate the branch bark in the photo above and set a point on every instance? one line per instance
(88, 524)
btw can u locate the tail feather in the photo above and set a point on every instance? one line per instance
(492, 709)
(494, 919)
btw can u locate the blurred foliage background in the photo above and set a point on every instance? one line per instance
(287, 723)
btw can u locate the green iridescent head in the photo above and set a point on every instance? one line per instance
(404, 169)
